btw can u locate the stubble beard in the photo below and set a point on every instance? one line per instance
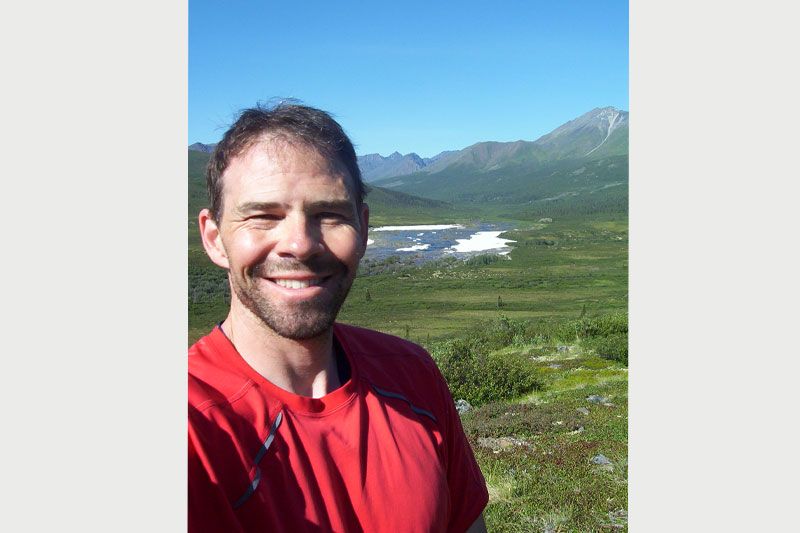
(301, 321)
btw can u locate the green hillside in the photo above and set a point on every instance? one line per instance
(572, 181)
(395, 207)
(197, 181)
(580, 167)
(198, 199)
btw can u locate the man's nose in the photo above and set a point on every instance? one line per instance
(301, 238)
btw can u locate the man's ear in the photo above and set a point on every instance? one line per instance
(212, 241)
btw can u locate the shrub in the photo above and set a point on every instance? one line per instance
(207, 283)
(602, 326)
(479, 378)
(613, 347)
(480, 260)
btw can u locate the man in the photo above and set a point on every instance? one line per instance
(297, 423)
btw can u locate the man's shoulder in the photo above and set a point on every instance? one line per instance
(377, 344)
(204, 354)
(389, 362)
(214, 377)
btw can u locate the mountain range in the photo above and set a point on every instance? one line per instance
(601, 130)
(581, 166)
(582, 162)
(375, 166)
(200, 147)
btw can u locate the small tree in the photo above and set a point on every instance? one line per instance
(500, 302)
(367, 296)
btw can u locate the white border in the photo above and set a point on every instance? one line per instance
(713, 268)
(94, 314)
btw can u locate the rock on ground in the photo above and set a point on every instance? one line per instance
(462, 406)
(596, 399)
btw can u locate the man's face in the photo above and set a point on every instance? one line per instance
(291, 236)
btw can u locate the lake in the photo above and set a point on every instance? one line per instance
(430, 242)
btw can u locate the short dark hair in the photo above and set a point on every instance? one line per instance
(312, 127)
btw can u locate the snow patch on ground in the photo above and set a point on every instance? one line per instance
(414, 248)
(483, 240)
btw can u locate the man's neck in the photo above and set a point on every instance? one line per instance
(303, 367)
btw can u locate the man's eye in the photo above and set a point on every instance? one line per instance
(265, 216)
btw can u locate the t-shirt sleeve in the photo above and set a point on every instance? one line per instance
(468, 493)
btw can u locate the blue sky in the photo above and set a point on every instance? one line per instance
(410, 76)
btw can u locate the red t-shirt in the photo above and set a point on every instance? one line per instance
(384, 452)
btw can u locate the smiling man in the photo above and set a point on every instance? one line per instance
(298, 423)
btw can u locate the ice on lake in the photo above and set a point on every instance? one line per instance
(414, 248)
(480, 241)
(434, 241)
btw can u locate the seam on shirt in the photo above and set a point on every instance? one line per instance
(346, 403)
(259, 455)
(229, 400)
(412, 406)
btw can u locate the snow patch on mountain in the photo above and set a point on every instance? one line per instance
(612, 123)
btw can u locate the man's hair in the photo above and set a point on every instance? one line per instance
(311, 127)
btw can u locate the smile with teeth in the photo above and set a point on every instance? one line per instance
(297, 283)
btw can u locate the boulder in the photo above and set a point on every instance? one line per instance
(600, 459)
(462, 406)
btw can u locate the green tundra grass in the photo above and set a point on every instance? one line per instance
(555, 271)
(549, 423)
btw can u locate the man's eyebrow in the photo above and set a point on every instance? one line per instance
(335, 205)
(258, 206)
(269, 206)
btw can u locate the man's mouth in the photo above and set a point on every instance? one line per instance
(297, 283)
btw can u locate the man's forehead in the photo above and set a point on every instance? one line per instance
(280, 150)
(273, 155)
